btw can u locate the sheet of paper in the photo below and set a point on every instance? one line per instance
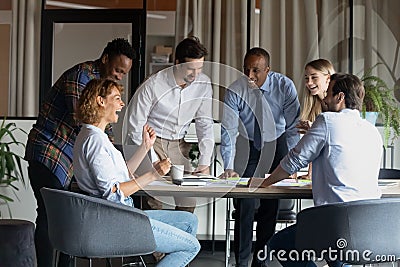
(199, 176)
(229, 182)
(293, 182)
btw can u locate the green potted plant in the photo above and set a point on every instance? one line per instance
(194, 155)
(10, 162)
(379, 97)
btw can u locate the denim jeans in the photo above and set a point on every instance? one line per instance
(175, 235)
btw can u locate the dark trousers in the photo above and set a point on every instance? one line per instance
(246, 208)
(40, 176)
(285, 240)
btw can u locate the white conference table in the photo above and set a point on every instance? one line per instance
(166, 188)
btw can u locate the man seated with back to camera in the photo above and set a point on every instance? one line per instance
(346, 153)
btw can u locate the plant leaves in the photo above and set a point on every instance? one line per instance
(10, 162)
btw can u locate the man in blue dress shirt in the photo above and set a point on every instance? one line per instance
(258, 129)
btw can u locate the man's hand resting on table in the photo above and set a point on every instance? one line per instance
(202, 169)
(256, 182)
(277, 175)
(228, 173)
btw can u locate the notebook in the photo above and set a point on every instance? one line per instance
(384, 184)
(190, 181)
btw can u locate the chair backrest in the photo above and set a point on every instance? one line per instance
(389, 174)
(85, 226)
(286, 211)
(361, 232)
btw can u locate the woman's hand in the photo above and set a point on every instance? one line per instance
(163, 166)
(303, 126)
(148, 137)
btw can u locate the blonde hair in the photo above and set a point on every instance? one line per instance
(88, 110)
(311, 103)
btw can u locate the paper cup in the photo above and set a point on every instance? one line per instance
(177, 172)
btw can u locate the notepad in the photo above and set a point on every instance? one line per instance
(384, 184)
(190, 181)
(199, 176)
(293, 182)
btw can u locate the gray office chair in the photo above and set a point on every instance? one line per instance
(286, 213)
(389, 174)
(89, 227)
(363, 232)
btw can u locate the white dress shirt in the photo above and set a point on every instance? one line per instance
(346, 154)
(169, 109)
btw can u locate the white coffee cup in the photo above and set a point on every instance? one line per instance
(177, 172)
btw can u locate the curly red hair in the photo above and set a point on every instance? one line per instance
(88, 110)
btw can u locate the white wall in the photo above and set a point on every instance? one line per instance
(25, 207)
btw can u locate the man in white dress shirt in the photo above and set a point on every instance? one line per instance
(169, 101)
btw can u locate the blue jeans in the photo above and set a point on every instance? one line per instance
(285, 240)
(175, 235)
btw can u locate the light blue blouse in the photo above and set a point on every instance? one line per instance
(99, 166)
(346, 154)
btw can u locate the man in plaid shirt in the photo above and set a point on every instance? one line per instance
(51, 140)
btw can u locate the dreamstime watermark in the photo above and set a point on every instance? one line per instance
(330, 254)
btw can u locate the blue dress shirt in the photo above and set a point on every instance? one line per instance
(238, 116)
(346, 154)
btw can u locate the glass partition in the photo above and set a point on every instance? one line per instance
(377, 40)
(72, 36)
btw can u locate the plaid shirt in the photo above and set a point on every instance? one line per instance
(52, 138)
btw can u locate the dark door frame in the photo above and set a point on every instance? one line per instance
(136, 17)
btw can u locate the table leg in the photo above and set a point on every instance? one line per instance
(227, 232)
(213, 228)
(391, 156)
